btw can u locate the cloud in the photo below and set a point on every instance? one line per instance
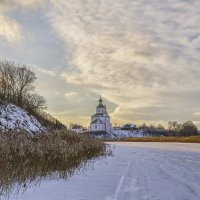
(139, 47)
(44, 71)
(10, 29)
(196, 113)
(134, 52)
(143, 56)
(71, 94)
(11, 4)
(30, 3)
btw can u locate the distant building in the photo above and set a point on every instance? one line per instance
(117, 128)
(101, 120)
(129, 127)
(76, 128)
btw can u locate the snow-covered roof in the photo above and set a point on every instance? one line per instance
(98, 114)
(129, 126)
(97, 121)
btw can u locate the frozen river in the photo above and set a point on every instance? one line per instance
(136, 171)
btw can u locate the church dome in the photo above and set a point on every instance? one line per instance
(100, 103)
(100, 106)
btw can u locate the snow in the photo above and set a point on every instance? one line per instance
(127, 133)
(114, 134)
(136, 171)
(14, 117)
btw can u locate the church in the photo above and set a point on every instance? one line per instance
(101, 120)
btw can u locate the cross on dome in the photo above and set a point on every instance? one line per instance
(100, 100)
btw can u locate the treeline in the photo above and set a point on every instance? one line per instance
(174, 129)
(185, 129)
(17, 85)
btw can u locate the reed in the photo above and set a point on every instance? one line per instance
(191, 139)
(25, 158)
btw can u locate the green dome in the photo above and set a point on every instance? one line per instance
(100, 106)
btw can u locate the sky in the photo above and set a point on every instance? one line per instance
(142, 56)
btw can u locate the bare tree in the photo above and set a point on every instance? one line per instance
(33, 102)
(25, 79)
(188, 129)
(17, 86)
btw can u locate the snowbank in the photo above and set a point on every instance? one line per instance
(127, 133)
(114, 134)
(14, 117)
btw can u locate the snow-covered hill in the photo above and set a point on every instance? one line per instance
(13, 117)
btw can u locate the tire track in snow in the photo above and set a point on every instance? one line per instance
(119, 188)
(180, 180)
(134, 185)
(125, 184)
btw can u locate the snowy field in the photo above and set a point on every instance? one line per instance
(136, 171)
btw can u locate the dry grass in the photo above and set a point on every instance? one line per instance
(191, 139)
(25, 158)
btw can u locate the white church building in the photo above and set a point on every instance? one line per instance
(101, 120)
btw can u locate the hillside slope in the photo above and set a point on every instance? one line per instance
(13, 117)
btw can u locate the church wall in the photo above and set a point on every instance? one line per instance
(102, 118)
(97, 127)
